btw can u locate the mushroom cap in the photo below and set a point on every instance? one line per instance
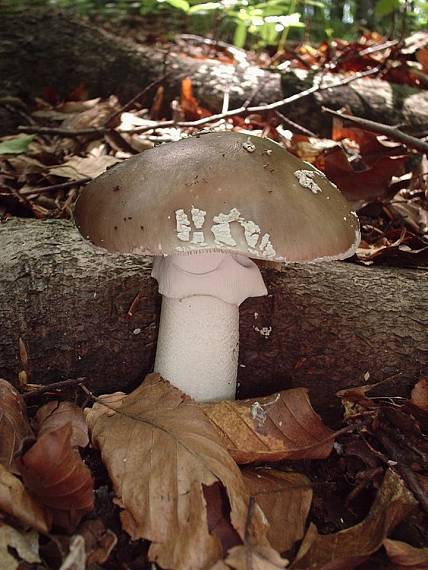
(218, 192)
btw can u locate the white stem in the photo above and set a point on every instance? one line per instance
(198, 340)
(199, 355)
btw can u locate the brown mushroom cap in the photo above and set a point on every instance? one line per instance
(218, 192)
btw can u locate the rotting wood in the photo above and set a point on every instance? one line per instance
(324, 326)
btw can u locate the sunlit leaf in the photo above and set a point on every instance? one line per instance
(179, 4)
(206, 7)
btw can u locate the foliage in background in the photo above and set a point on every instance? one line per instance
(257, 24)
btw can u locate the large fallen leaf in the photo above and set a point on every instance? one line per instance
(285, 499)
(54, 472)
(25, 544)
(16, 502)
(14, 426)
(405, 555)
(161, 452)
(349, 548)
(272, 428)
(54, 415)
(247, 557)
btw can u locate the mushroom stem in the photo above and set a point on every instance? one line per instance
(198, 341)
(199, 355)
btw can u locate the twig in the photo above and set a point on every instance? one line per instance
(294, 125)
(70, 133)
(388, 130)
(61, 186)
(54, 386)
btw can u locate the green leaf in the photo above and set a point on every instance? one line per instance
(386, 7)
(240, 35)
(206, 7)
(179, 4)
(17, 145)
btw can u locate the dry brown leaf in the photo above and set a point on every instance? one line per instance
(16, 502)
(54, 472)
(95, 115)
(273, 428)
(405, 555)
(419, 396)
(77, 167)
(54, 415)
(24, 544)
(161, 452)
(348, 548)
(285, 499)
(245, 557)
(14, 426)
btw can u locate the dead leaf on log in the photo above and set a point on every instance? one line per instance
(367, 184)
(54, 415)
(161, 452)
(54, 472)
(23, 544)
(405, 555)
(16, 502)
(285, 499)
(189, 104)
(419, 395)
(245, 557)
(272, 428)
(14, 426)
(348, 548)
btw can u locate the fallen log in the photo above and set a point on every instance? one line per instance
(64, 307)
(59, 53)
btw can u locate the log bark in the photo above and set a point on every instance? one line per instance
(324, 326)
(57, 52)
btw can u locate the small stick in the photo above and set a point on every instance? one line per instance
(61, 186)
(54, 386)
(388, 130)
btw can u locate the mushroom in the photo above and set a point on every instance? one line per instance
(223, 198)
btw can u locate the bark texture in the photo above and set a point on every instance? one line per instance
(322, 326)
(59, 52)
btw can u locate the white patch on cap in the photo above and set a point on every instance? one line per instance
(306, 179)
(198, 217)
(183, 225)
(251, 232)
(199, 238)
(221, 227)
(266, 246)
(249, 146)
